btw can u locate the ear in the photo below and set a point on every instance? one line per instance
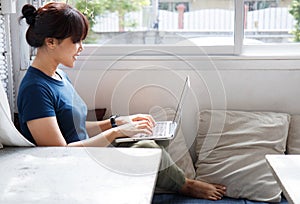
(51, 42)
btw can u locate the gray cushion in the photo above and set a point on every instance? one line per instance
(177, 148)
(232, 146)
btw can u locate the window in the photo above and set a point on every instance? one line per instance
(268, 21)
(167, 22)
(216, 27)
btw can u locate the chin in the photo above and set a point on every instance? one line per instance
(69, 65)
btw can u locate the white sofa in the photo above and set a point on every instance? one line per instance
(230, 147)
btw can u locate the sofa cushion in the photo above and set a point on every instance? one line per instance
(180, 154)
(180, 199)
(177, 148)
(231, 148)
(293, 140)
(9, 135)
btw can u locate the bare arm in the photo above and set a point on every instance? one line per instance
(96, 127)
(46, 132)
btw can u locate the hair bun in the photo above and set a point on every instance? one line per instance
(29, 13)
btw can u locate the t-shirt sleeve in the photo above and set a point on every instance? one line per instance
(37, 102)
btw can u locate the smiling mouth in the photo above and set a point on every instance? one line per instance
(75, 57)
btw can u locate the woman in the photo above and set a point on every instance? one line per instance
(52, 113)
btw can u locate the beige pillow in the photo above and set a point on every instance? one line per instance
(232, 146)
(180, 154)
(293, 140)
(9, 135)
(177, 148)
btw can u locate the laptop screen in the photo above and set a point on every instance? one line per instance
(178, 113)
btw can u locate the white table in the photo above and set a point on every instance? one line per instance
(286, 170)
(78, 175)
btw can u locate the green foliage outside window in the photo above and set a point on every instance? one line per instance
(295, 11)
(93, 8)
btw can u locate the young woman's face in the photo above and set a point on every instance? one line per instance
(68, 52)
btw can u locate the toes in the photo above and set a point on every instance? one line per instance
(218, 186)
(214, 198)
(221, 189)
(218, 194)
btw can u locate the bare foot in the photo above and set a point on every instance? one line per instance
(200, 189)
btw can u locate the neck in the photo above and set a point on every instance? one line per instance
(45, 63)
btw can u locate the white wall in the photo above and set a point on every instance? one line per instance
(214, 84)
(147, 87)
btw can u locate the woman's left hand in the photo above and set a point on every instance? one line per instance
(134, 118)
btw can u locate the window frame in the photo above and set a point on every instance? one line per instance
(237, 51)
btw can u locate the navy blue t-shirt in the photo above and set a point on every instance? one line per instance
(41, 96)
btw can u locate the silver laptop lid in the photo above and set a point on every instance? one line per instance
(185, 89)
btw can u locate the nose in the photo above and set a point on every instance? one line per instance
(80, 48)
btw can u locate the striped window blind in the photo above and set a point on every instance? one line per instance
(3, 64)
(6, 78)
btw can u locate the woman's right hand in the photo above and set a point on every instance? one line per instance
(135, 127)
(136, 117)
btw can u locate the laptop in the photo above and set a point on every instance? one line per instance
(163, 130)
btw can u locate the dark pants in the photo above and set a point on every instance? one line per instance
(170, 176)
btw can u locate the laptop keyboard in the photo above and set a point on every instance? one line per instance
(160, 129)
(163, 130)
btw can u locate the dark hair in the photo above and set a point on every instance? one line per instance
(55, 20)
